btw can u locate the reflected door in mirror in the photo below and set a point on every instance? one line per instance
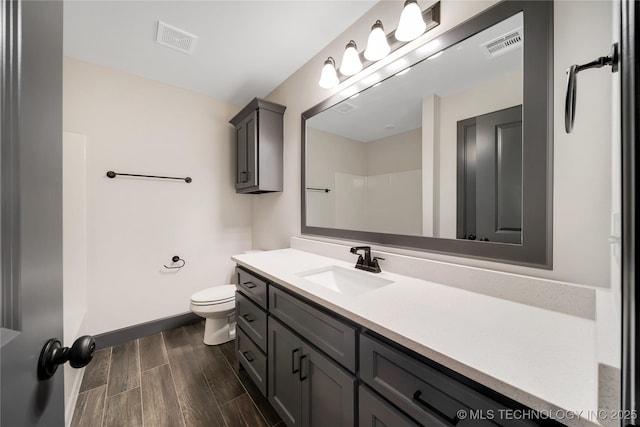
(490, 177)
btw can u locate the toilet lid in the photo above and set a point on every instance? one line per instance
(217, 294)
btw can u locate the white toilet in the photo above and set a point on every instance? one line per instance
(217, 305)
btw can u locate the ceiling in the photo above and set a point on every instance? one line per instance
(244, 48)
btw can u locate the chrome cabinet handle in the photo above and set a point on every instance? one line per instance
(249, 318)
(247, 355)
(249, 285)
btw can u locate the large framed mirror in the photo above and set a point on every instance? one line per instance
(448, 149)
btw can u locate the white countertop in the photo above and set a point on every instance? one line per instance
(540, 358)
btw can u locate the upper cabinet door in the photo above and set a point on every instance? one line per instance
(246, 149)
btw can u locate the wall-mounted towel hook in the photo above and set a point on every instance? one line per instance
(572, 83)
(175, 259)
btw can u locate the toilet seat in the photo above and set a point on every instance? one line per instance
(215, 295)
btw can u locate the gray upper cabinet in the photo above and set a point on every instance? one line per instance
(259, 141)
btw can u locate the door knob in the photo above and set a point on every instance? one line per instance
(54, 354)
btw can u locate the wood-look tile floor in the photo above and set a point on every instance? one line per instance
(170, 379)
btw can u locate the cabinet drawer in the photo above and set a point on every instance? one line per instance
(252, 286)
(424, 393)
(375, 412)
(334, 337)
(252, 319)
(252, 359)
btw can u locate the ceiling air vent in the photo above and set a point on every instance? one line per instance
(176, 38)
(344, 108)
(503, 44)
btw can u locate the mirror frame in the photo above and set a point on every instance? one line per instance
(537, 144)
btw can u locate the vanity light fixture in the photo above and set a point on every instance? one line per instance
(411, 24)
(351, 63)
(377, 45)
(329, 77)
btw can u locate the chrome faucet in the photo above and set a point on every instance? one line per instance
(366, 262)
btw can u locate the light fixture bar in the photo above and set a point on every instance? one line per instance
(431, 17)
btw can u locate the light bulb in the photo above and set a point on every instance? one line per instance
(377, 45)
(411, 24)
(351, 63)
(329, 77)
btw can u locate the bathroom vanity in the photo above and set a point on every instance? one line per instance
(330, 345)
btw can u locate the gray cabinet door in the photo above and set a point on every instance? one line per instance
(252, 359)
(332, 336)
(31, 229)
(375, 412)
(246, 152)
(252, 320)
(328, 391)
(252, 286)
(306, 388)
(284, 373)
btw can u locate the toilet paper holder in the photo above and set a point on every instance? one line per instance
(175, 259)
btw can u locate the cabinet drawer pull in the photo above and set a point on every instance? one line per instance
(295, 369)
(249, 285)
(302, 359)
(247, 355)
(428, 406)
(249, 318)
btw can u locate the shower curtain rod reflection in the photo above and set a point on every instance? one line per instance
(112, 174)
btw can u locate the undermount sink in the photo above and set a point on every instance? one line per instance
(345, 281)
